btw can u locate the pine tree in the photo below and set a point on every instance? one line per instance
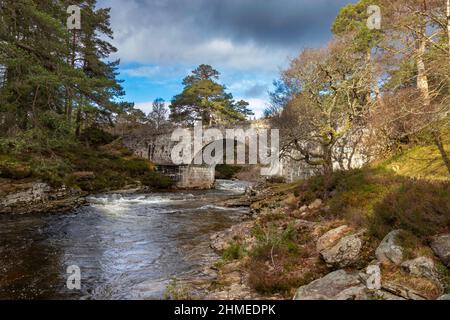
(203, 99)
(50, 69)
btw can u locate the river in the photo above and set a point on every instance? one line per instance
(126, 246)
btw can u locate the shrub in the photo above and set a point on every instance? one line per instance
(177, 291)
(15, 171)
(156, 180)
(234, 252)
(133, 167)
(52, 171)
(104, 181)
(96, 137)
(417, 206)
(275, 259)
(279, 280)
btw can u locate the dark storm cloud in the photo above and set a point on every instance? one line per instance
(234, 33)
(279, 22)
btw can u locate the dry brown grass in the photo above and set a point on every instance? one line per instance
(423, 286)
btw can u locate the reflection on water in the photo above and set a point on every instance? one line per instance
(127, 246)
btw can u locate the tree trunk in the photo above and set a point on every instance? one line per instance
(33, 108)
(422, 78)
(78, 129)
(69, 102)
(327, 162)
(440, 145)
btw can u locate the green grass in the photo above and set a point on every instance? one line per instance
(421, 162)
(235, 251)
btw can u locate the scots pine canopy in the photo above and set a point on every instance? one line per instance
(47, 69)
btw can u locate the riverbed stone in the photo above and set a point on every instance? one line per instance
(441, 247)
(338, 285)
(389, 251)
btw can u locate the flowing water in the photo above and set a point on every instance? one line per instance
(126, 246)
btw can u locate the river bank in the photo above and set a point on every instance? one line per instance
(28, 197)
(339, 242)
(33, 197)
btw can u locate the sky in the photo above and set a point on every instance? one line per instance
(248, 41)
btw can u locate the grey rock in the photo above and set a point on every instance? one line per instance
(444, 297)
(389, 251)
(220, 241)
(37, 197)
(344, 253)
(315, 205)
(373, 280)
(338, 285)
(331, 237)
(441, 247)
(421, 267)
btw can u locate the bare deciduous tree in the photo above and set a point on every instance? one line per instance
(331, 100)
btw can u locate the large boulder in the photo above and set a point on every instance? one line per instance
(389, 251)
(331, 237)
(344, 253)
(338, 285)
(441, 247)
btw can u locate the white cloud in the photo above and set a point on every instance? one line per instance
(142, 71)
(257, 106)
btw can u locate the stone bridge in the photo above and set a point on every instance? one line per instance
(191, 173)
